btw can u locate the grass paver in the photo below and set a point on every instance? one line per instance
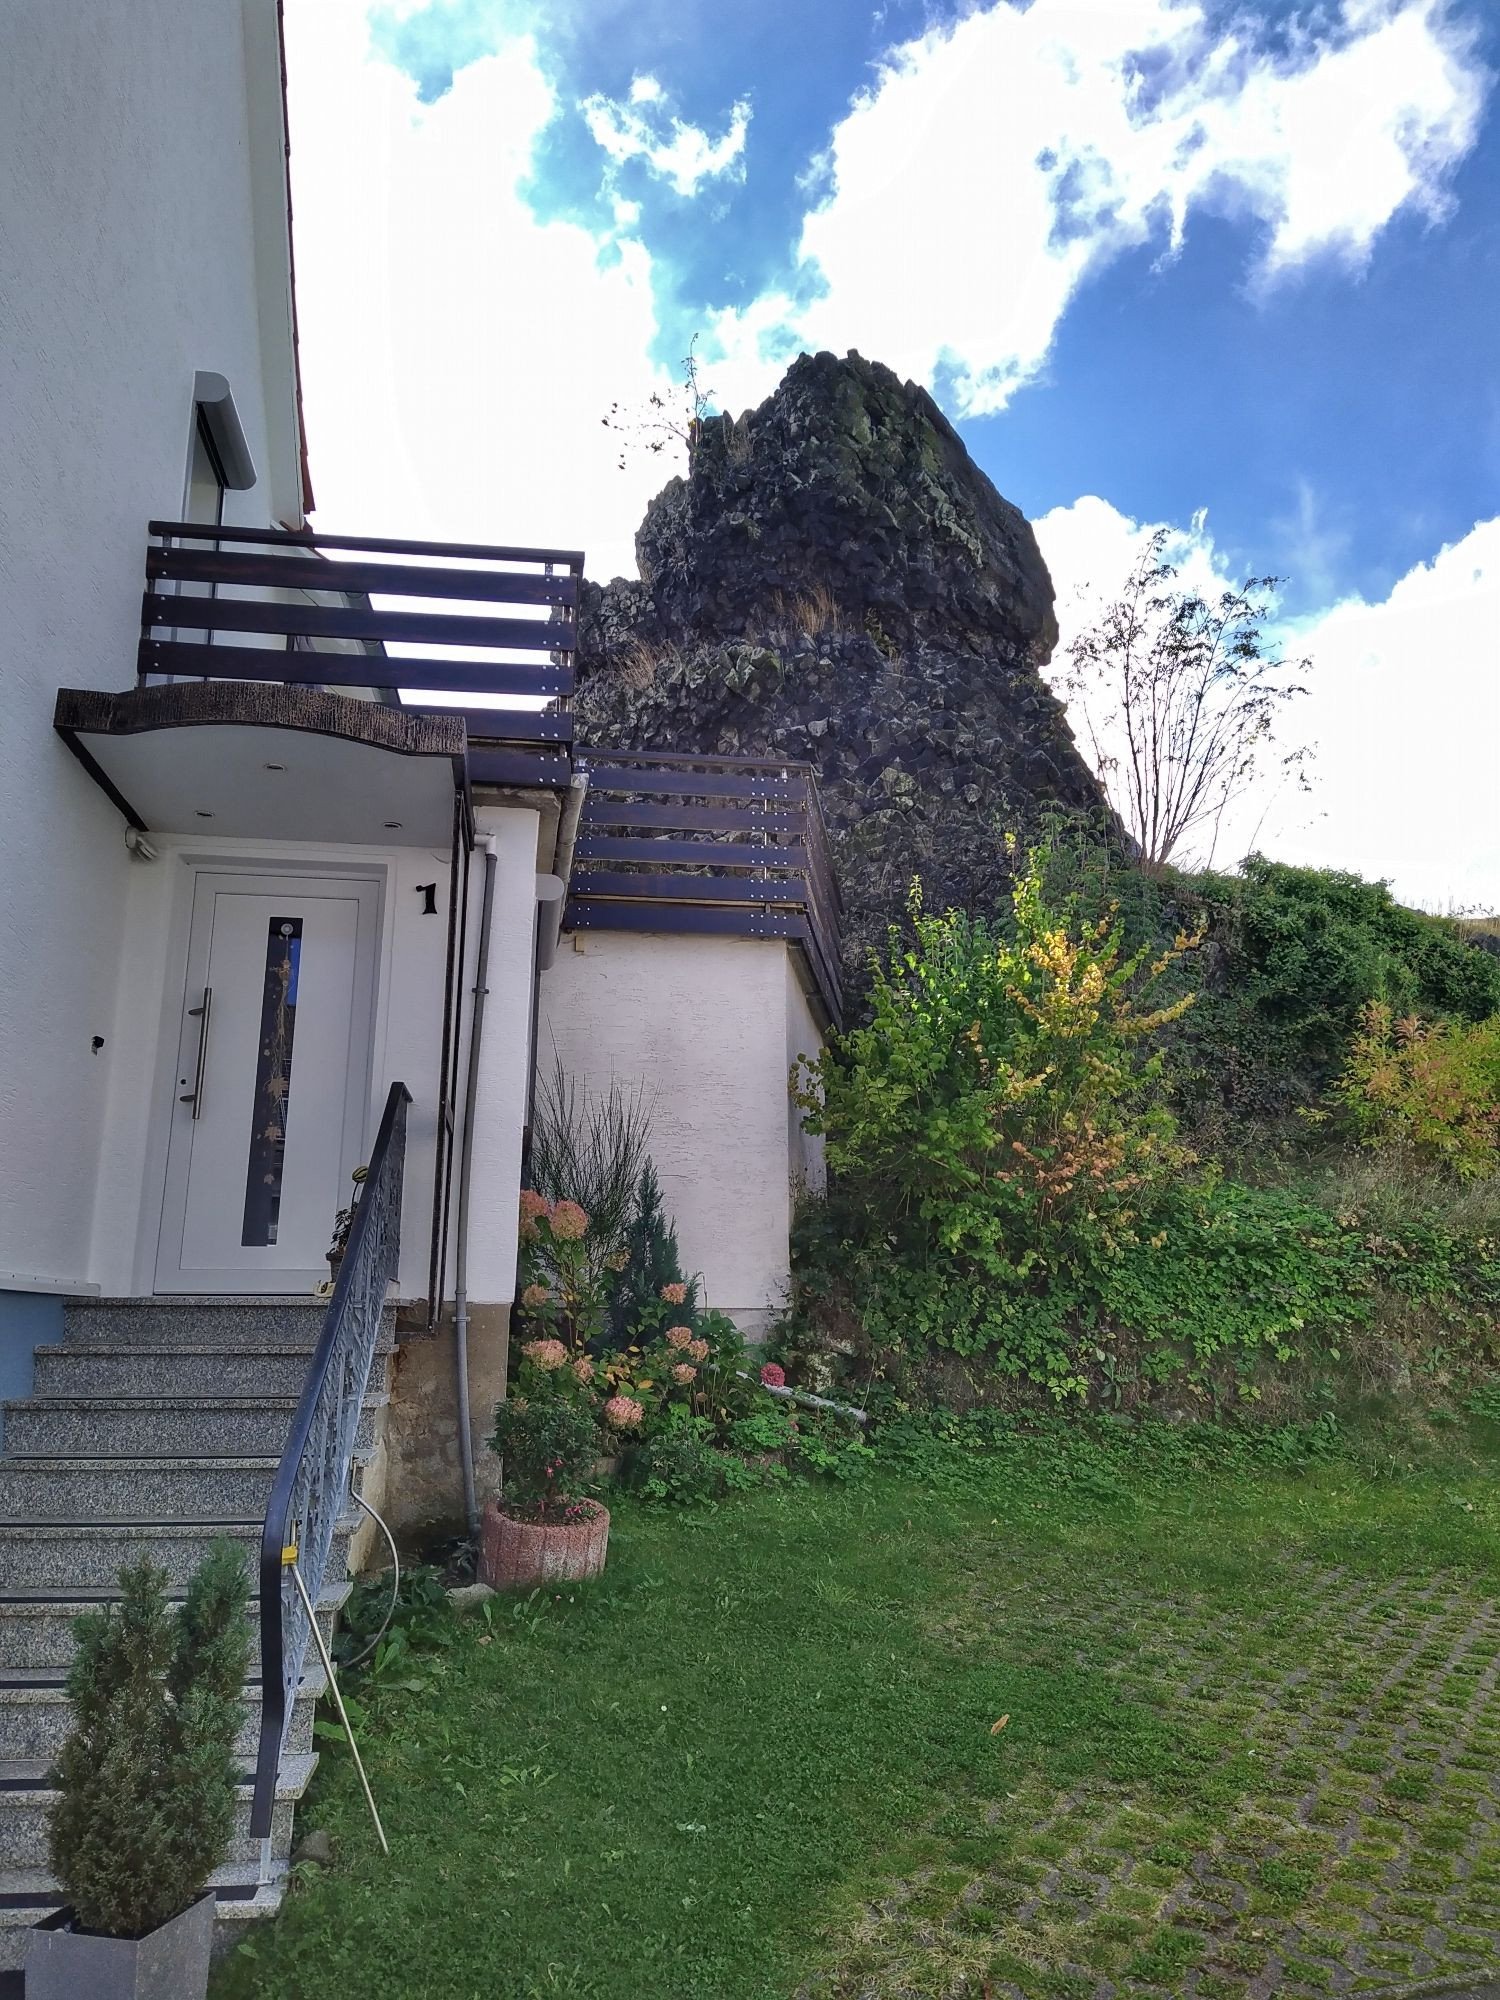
(1253, 1723)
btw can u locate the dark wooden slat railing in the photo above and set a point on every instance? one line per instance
(382, 579)
(204, 581)
(653, 855)
(317, 538)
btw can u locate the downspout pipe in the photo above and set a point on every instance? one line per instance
(552, 901)
(562, 867)
(465, 1169)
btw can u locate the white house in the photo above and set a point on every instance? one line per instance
(273, 841)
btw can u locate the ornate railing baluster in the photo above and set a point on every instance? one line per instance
(313, 1480)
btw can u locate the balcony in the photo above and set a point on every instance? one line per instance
(352, 689)
(303, 661)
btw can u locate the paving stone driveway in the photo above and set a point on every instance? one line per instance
(1357, 1851)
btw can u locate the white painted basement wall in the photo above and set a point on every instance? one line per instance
(710, 1026)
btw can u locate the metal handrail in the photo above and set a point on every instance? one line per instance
(311, 1487)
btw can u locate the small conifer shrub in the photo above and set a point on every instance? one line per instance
(652, 1264)
(147, 1778)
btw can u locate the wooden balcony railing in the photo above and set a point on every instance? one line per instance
(734, 846)
(333, 611)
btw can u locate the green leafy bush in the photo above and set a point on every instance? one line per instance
(1233, 1285)
(680, 1466)
(147, 1778)
(996, 1132)
(1000, 1111)
(1294, 957)
(549, 1443)
(1433, 1089)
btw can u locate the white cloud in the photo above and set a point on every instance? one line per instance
(458, 354)
(998, 161)
(683, 155)
(1403, 706)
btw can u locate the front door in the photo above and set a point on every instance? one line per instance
(272, 1082)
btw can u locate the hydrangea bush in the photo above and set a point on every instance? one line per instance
(675, 1396)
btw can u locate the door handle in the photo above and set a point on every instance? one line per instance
(195, 1095)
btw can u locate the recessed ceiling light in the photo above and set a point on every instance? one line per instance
(204, 815)
(392, 824)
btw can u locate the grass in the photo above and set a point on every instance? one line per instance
(1253, 1727)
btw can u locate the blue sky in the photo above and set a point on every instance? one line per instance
(1229, 270)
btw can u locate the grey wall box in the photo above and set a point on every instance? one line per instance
(213, 396)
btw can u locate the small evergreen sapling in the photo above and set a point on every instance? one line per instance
(147, 1778)
(652, 1263)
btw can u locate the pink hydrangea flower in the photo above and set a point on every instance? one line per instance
(583, 1369)
(679, 1336)
(533, 1207)
(772, 1375)
(682, 1373)
(698, 1349)
(534, 1296)
(675, 1295)
(623, 1413)
(548, 1354)
(569, 1221)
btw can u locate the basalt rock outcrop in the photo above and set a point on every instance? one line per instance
(837, 581)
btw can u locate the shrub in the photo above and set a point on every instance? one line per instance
(549, 1443)
(1295, 956)
(1000, 1111)
(1433, 1089)
(650, 1270)
(147, 1778)
(590, 1147)
(563, 1292)
(681, 1467)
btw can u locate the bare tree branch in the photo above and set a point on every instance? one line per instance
(1191, 689)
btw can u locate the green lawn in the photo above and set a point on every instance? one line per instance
(1253, 1741)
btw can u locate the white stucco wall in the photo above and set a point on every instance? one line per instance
(127, 263)
(499, 1112)
(709, 1025)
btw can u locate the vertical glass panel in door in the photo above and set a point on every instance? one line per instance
(273, 1081)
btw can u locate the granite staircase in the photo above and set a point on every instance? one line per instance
(155, 1425)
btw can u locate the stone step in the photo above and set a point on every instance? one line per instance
(36, 1716)
(160, 1426)
(36, 1628)
(26, 1800)
(184, 1371)
(134, 1489)
(75, 1558)
(240, 1324)
(29, 1894)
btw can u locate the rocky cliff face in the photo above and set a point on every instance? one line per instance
(837, 581)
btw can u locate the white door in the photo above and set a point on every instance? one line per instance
(272, 1084)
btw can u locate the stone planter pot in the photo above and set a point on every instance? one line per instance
(519, 1555)
(169, 1963)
